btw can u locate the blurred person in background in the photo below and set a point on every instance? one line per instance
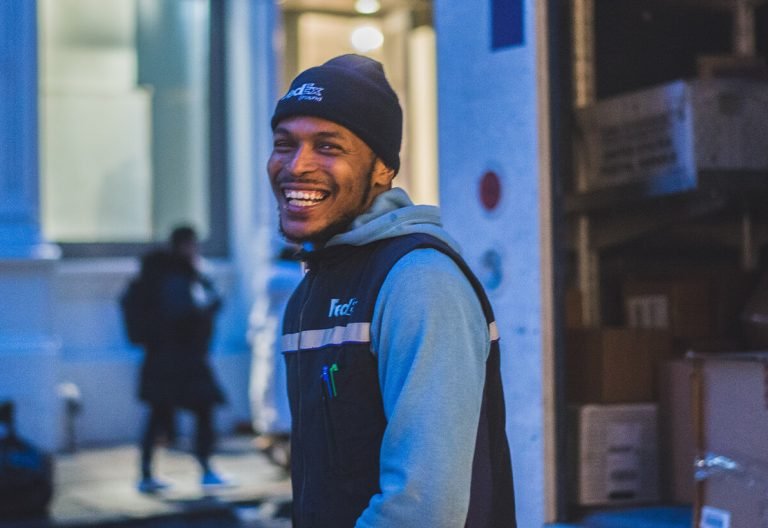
(176, 305)
(270, 415)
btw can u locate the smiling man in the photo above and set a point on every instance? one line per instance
(390, 343)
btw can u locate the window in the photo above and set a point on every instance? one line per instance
(130, 143)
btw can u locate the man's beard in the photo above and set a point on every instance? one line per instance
(342, 223)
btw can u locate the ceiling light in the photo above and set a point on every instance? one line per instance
(366, 38)
(367, 7)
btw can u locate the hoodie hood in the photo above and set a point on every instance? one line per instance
(393, 214)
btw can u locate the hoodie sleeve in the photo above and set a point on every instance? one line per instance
(432, 340)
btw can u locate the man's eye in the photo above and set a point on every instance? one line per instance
(329, 147)
(282, 144)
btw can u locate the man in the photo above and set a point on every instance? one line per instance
(392, 358)
(178, 306)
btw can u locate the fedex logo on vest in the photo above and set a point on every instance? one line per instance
(339, 309)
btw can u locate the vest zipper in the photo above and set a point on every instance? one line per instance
(310, 281)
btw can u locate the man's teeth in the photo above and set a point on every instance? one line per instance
(304, 197)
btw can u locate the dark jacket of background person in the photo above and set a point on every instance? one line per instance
(183, 306)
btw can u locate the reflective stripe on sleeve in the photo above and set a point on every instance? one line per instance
(493, 330)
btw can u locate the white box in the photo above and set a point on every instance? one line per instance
(647, 311)
(615, 450)
(664, 135)
(733, 476)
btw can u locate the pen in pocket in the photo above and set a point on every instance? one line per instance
(330, 383)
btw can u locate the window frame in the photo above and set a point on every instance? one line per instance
(216, 243)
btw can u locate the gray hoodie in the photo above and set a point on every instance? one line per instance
(432, 342)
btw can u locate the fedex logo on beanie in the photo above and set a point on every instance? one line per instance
(305, 92)
(353, 91)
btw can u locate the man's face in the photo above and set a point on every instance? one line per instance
(189, 249)
(323, 177)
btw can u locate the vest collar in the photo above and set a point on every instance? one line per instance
(328, 255)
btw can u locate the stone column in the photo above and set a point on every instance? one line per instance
(28, 349)
(19, 189)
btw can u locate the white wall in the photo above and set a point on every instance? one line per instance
(96, 356)
(488, 120)
(29, 351)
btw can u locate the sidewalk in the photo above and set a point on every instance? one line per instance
(97, 487)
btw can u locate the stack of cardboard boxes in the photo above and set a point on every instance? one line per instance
(624, 382)
(611, 387)
(654, 409)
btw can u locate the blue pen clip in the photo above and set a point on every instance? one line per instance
(327, 380)
(330, 383)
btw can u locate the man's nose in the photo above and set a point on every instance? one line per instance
(303, 160)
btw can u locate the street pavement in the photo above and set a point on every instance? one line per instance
(96, 487)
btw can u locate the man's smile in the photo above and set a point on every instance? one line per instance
(304, 198)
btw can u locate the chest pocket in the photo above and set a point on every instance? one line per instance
(353, 412)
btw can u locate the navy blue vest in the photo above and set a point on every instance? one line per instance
(337, 413)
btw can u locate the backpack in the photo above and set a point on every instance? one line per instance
(135, 304)
(26, 472)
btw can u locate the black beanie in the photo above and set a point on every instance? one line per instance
(350, 90)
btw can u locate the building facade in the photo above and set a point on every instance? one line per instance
(60, 276)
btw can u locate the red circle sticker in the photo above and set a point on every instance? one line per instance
(490, 190)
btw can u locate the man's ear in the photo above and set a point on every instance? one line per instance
(382, 175)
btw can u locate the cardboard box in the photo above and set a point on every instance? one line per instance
(684, 306)
(615, 451)
(695, 306)
(614, 365)
(676, 434)
(732, 425)
(731, 65)
(663, 136)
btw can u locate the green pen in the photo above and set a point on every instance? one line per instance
(334, 368)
